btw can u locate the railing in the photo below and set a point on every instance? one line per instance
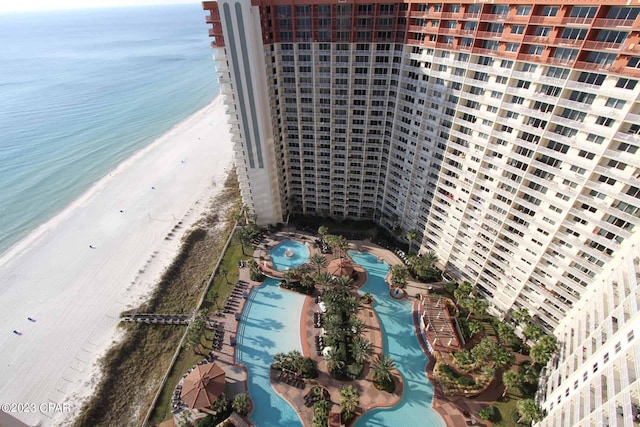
(607, 22)
(493, 17)
(577, 20)
(592, 66)
(591, 44)
(488, 34)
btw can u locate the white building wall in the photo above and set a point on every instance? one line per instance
(250, 104)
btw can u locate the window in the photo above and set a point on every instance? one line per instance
(583, 97)
(557, 73)
(583, 11)
(586, 154)
(606, 180)
(593, 78)
(605, 121)
(595, 138)
(626, 83)
(573, 33)
(615, 103)
(517, 29)
(549, 11)
(524, 10)
(627, 148)
(553, 145)
(512, 47)
(536, 50)
(634, 62)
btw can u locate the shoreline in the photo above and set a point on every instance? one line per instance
(99, 256)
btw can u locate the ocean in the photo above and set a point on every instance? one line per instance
(82, 90)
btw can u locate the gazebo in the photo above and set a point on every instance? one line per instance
(340, 267)
(202, 386)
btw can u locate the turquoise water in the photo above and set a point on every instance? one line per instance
(401, 343)
(282, 262)
(82, 90)
(270, 324)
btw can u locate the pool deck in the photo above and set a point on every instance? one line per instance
(449, 408)
(370, 397)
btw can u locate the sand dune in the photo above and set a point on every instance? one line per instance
(74, 293)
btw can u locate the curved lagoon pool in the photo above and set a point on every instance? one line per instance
(288, 254)
(270, 324)
(399, 342)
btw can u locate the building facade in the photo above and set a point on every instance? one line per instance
(505, 133)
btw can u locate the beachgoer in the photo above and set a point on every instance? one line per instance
(121, 211)
(17, 332)
(91, 247)
(153, 188)
(31, 319)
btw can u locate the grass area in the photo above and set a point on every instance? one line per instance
(506, 412)
(188, 357)
(134, 368)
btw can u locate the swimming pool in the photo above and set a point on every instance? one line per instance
(299, 255)
(399, 342)
(270, 324)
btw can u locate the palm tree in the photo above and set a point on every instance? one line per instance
(361, 349)
(544, 349)
(462, 292)
(243, 235)
(430, 259)
(241, 403)
(382, 368)
(503, 357)
(323, 230)
(332, 241)
(288, 276)
(349, 401)
(532, 332)
(485, 350)
(399, 275)
(302, 270)
(512, 380)
(343, 282)
(318, 261)
(323, 279)
(529, 412)
(411, 236)
(335, 361)
(343, 245)
(522, 317)
(223, 271)
(474, 327)
(476, 305)
(507, 334)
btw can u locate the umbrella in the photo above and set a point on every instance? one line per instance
(203, 385)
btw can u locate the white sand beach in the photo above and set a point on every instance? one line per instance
(74, 293)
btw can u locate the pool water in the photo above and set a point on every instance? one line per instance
(399, 342)
(270, 324)
(282, 262)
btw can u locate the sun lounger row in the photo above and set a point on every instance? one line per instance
(162, 319)
(317, 319)
(319, 345)
(292, 380)
(218, 339)
(324, 248)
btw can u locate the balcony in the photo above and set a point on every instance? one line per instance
(493, 17)
(596, 45)
(592, 66)
(536, 39)
(545, 20)
(577, 20)
(568, 42)
(610, 23)
(488, 35)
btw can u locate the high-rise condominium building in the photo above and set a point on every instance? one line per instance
(505, 133)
